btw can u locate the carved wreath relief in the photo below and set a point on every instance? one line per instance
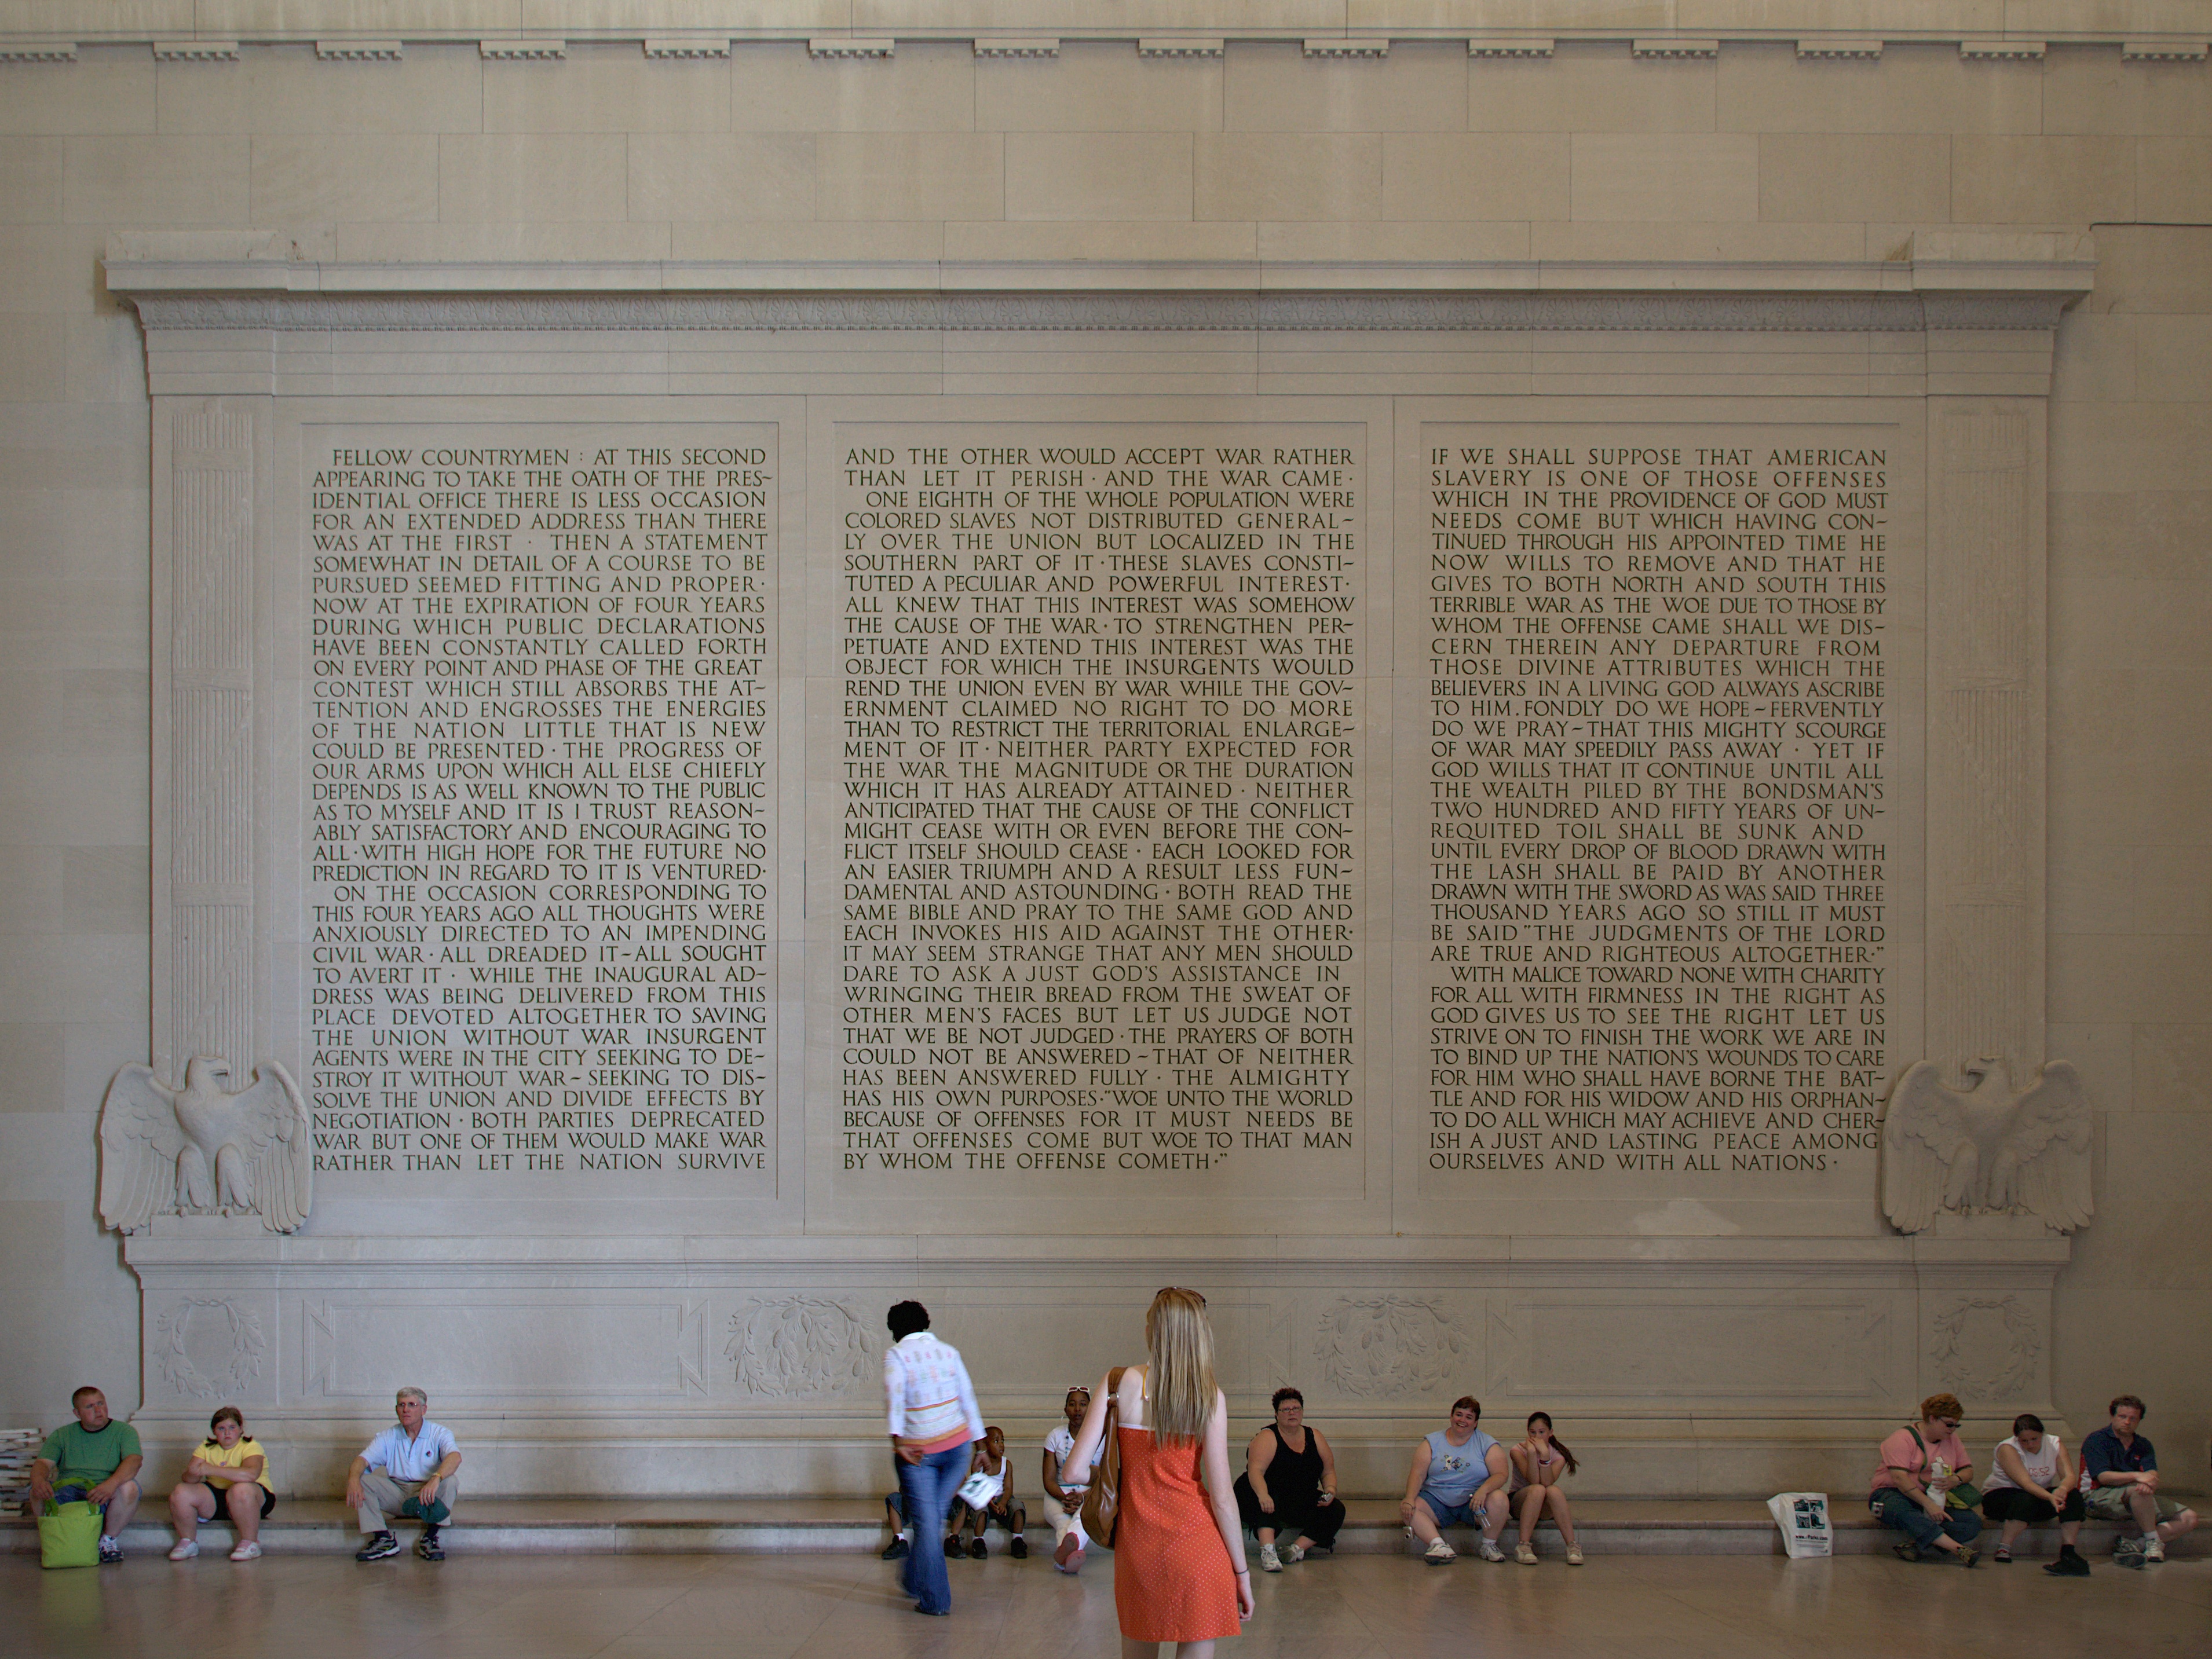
(789, 1346)
(216, 1323)
(1386, 1347)
(1985, 1348)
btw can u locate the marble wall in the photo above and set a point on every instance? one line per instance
(939, 165)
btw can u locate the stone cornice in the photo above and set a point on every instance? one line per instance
(2167, 27)
(1945, 280)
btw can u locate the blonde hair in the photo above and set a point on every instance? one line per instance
(1181, 1344)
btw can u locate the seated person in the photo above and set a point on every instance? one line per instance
(2119, 1482)
(409, 1469)
(95, 1459)
(1064, 1487)
(983, 1497)
(1288, 1485)
(227, 1475)
(1913, 1481)
(1457, 1480)
(1538, 1463)
(902, 1533)
(2030, 1483)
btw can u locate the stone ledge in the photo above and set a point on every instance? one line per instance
(851, 1526)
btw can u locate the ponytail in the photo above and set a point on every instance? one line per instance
(1558, 1444)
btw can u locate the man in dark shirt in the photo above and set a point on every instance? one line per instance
(2119, 1473)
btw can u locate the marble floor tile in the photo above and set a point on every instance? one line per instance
(841, 1606)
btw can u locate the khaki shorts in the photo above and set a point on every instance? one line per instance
(2110, 1504)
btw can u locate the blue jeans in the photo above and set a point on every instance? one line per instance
(926, 1491)
(1893, 1509)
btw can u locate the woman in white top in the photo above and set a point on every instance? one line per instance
(2033, 1482)
(1538, 1463)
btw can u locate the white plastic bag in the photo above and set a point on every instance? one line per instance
(1804, 1518)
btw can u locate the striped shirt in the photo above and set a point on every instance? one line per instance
(932, 1400)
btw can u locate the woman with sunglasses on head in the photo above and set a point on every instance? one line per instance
(1065, 1485)
(1921, 1465)
(1180, 1576)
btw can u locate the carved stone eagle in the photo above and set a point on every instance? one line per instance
(1988, 1149)
(203, 1150)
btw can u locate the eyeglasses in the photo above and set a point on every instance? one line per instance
(1948, 1422)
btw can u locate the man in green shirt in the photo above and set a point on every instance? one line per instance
(93, 1460)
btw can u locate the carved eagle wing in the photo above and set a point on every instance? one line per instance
(269, 1123)
(140, 1141)
(2043, 1162)
(1921, 1134)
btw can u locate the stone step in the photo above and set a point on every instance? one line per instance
(702, 1526)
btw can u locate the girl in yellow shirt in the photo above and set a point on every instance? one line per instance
(228, 1475)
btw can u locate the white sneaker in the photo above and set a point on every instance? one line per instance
(1269, 1561)
(248, 1551)
(1574, 1555)
(1439, 1552)
(1291, 1555)
(187, 1548)
(1525, 1556)
(1491, 1552)
(2155, 1549)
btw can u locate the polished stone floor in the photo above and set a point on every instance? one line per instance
(847, 1606)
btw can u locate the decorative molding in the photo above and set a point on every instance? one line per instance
(172, 1351)
(1840, 47)
(1817, 312)
(2165, 52)
(1350, 46)
(852, 47)
(1964, 1349)
(1040, 46)
(1511, 46)
(195, 52)
(1671, 46)
(1387, 1347)
(658, 45)
(37, 52)
(1985, 729)
(1149, 47)
(521, 50)
(2001, 50)
(798, 1347)
(361, 52)
(211, 706)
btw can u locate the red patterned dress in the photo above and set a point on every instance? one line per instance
(1173, 1581)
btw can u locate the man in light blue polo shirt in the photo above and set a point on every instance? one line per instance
(407, 1470)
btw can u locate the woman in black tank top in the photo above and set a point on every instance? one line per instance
(1289, 1486)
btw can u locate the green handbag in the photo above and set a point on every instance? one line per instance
(68, 1534)
(1965, 1495)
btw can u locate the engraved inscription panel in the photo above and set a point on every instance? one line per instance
(1088, 872)
(538, 808)
(1661, 820)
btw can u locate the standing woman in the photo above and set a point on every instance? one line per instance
(1538, 1463)
(1179, 1573)
(933, 1416)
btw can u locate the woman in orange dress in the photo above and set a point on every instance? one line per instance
(1179, 1569)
